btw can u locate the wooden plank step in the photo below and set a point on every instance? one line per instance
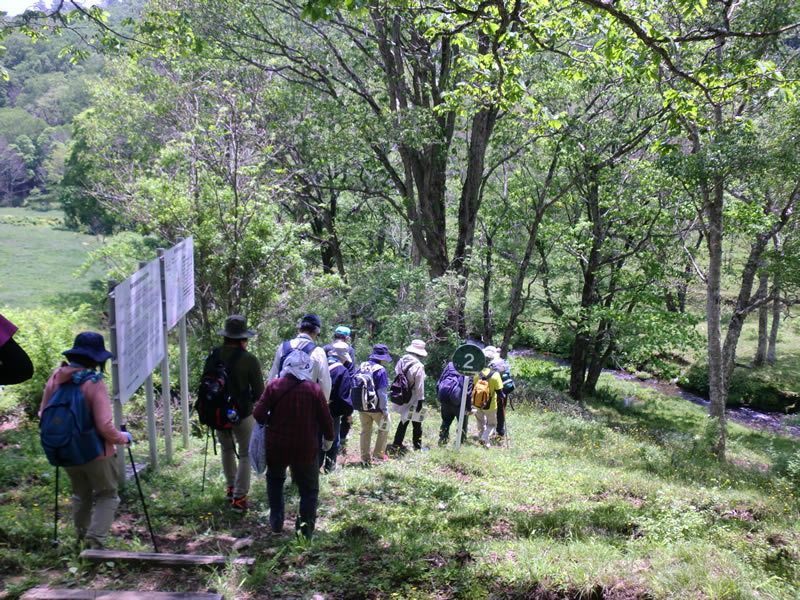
(169, 560)
(45, 593)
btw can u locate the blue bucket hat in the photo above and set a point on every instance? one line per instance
(89, 344)
(380, 352)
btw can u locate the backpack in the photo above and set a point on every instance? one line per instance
(286, 349)
(215, 394)
(508, 383)
(481, 394)
(362, 392)
(66, 429)
(400, 391)
(450, 386)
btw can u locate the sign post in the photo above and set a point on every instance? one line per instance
(468, 360)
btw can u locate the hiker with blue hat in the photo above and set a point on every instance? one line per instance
(369, 397)
(342, 334)
(308, 329)
(94, 483)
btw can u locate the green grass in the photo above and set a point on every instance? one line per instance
(599, 501)
(38, 258)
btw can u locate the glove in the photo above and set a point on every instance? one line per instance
(129, 436)
(327, 445)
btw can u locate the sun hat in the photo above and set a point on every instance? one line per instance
(298, 363)
(236, 328)
(380, 352)
(417, 347)
(89, 344)
(490, 352)
(310, 320)
(342, 330)
(340, 350)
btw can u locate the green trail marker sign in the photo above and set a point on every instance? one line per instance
(468, 359)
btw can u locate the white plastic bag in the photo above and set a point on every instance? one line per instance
(258, 448)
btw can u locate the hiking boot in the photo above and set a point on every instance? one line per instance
(396, 449)
(240, 505)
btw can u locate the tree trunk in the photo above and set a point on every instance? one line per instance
(712, 207)
(487, 281)
(773, 332)
(763, 321)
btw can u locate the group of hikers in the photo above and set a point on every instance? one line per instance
(304, 413)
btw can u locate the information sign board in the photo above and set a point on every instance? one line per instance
(179, 280)
(468, 359)
(140, 328)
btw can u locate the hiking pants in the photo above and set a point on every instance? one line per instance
(487, 421)
(94, 497)
(367, 419)
(237, 476)
(449, 416)
(307, 479)
(501, 414)
(416, 429)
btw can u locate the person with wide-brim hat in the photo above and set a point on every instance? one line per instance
(374, 368)
(94, 483)
(247, 384)
(410, 365)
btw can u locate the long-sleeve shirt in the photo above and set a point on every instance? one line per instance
(246, 378)
(297, 411)
(341, 383)
(319, 363)
(96, 395)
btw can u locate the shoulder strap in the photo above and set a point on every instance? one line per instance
(309, 348)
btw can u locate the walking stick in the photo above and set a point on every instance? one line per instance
(141, 495)
(55, 523)
(205, 460)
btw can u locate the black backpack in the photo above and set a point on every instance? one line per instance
(400, 391)
(215, 396)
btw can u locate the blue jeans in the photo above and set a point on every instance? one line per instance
(307, 479)
(328, 459)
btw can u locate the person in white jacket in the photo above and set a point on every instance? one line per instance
(411, 365)
(307, 331)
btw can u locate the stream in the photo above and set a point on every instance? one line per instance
(753, 419)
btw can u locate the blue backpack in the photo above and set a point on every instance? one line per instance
(66, 429)
(450, 386)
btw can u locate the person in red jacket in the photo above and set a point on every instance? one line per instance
(297, 410)
(94, 484)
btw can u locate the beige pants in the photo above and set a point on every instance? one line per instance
(237, 476)
(487, 422)
(367, 419)
(94, 497)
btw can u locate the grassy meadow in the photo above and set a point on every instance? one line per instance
(618, 498)
(611, 500)
(39, 258)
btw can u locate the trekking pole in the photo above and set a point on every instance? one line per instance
(55, 523)
(205, 460)
(141, 495)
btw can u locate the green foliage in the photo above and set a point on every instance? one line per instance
(43, 333)
(748, 387)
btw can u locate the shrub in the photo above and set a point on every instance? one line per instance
(43, 333)
(747, 388)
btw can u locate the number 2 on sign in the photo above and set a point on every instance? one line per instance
(468, 359)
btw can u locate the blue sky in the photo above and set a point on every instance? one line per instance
(15, 7)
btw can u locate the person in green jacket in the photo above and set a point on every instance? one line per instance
(248, 384)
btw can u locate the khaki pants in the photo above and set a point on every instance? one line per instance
(367, 419)
(237, 476)
(487, 421)
(94, 497)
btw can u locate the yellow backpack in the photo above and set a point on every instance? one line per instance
(481, 394)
